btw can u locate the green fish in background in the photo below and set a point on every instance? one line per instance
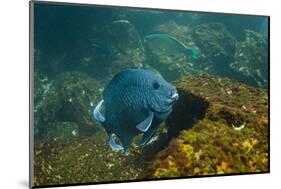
(169, 45)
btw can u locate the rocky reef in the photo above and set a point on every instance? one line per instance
(114, 47)
(217, 45)
(229, 135)
(66, 106)
(251, 59)
(218, 126)
(220, 53)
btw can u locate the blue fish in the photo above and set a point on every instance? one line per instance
(170, 45)
(135, 101)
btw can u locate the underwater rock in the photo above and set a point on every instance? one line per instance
(217, 46)
(67, 106)
(235, 25)
(251, 59)
(181, 32)
(228, 135)
(178, 63)
(115, 47)
(63, 130)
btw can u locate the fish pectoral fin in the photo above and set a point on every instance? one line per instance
(97, 114)
(114, 145)
(144, 126)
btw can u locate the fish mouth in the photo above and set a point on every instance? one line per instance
(165, 102)
(174, 97)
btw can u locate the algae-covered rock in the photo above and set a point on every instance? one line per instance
(218, 126)
(66, 107)
(216, 44)
(228, 135)
(89, 160)
(251, 59)
(178, 63)
(84, 160)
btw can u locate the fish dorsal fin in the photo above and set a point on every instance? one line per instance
(145, 124)
(97, 114)
(113, 144)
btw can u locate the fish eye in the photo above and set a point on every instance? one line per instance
(156, 85)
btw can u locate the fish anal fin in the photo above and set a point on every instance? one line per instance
(145, 124)
(147, 137)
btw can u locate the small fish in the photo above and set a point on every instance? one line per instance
(135, 101)
(170, 45)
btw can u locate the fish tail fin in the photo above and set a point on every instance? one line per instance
(193, 52)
